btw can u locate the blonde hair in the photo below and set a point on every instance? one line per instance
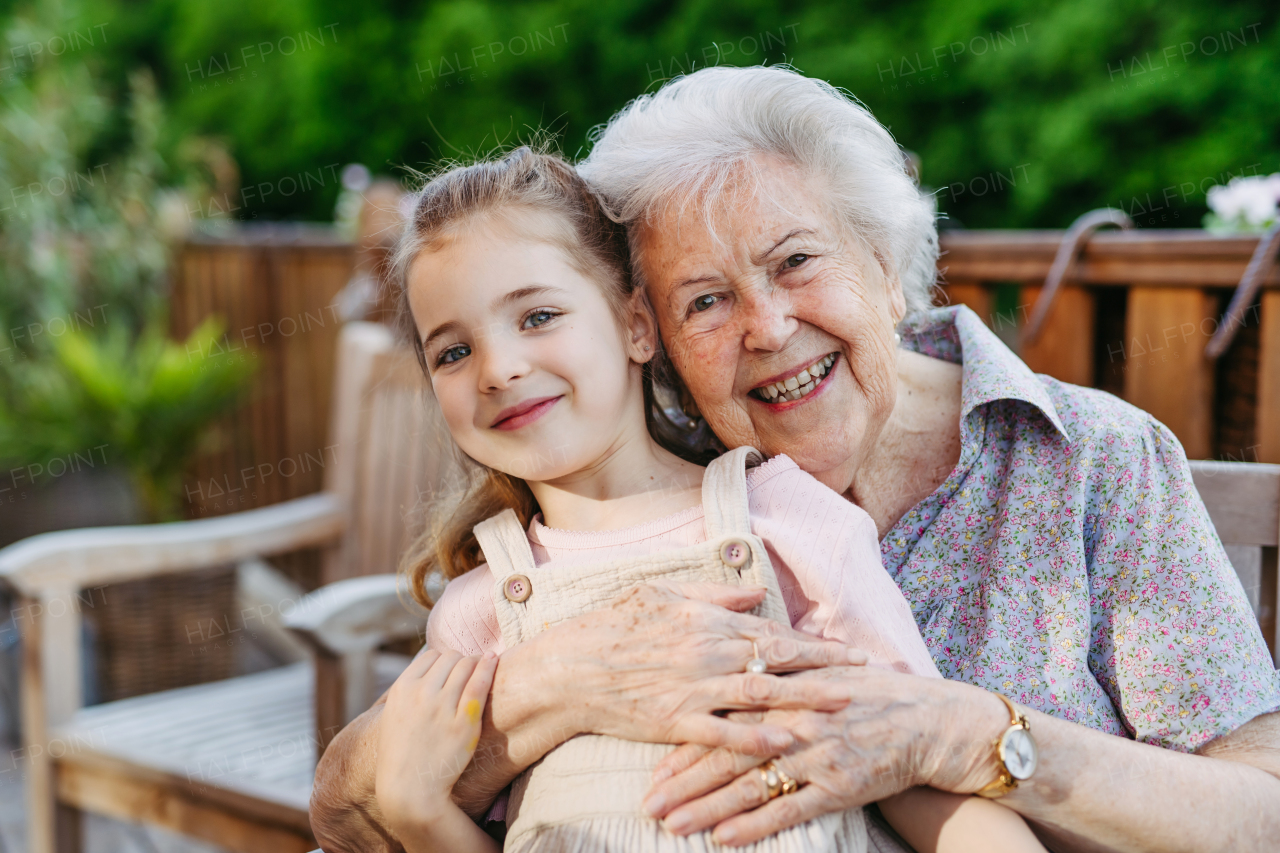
(529, 181)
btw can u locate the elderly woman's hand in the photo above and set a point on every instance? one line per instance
(898, 732)
(661, 660)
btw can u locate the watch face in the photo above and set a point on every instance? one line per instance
(1018, 750)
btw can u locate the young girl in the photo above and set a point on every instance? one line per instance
(539, 355)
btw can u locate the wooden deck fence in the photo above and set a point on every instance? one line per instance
(1133, 319)
(273, 287)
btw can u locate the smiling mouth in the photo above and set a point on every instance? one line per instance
(523, 414)
(796, 387)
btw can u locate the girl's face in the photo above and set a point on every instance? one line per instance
(531, 370)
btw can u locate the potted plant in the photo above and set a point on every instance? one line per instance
(112, 403)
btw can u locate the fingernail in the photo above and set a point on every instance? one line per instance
(857, 656)
(660, 774)
(678, 822)
(654, 803)
(724, 836)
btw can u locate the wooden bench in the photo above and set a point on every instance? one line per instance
(1243, 499)
(231, 762)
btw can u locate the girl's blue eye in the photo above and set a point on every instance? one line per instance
(454, 353)
(537, 318)
(795, 261)
(702, 303)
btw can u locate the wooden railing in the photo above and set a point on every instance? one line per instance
(274, 288)
(1134, 318)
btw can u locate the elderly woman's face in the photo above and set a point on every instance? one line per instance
(779, 322)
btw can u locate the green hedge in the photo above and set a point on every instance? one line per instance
(1052, 108)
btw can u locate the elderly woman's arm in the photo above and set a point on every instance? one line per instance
(684, 656)
(1171, 642)
(1121, 795)
(1091, 791)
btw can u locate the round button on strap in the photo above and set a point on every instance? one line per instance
(735, 553)
(517, 588)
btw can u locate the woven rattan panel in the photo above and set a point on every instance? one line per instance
(166, 632)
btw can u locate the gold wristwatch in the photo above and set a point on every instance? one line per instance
(1016, 754)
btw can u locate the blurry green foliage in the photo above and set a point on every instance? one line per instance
(1053, 107)
(147, 401)
(80, 191)
(87, 218)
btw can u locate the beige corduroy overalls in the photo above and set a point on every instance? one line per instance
(585, 794)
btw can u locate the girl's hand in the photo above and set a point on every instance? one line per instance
(429, 731)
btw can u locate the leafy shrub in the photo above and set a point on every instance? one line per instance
(146, 401)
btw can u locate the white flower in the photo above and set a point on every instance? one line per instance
(1246, 204)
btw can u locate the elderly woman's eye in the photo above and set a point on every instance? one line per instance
(453, 353)
(794, 261)
(702, 303)
(537, 318)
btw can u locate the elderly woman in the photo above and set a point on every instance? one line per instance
(1048, 537)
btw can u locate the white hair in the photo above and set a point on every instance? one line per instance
(693, 136)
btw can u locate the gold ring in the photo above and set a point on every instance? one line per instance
(776, 781)
(757, 664)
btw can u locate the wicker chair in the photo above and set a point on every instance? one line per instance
(232, 761)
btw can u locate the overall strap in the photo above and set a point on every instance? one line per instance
(505, 545)
(724, 493)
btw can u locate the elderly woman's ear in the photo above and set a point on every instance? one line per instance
(893, 287)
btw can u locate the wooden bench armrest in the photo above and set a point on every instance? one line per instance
(76, 559)
(344, 623)
(357, 615)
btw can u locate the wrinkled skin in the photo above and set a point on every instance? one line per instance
(654, 666)
(766, 281)
(781, 283)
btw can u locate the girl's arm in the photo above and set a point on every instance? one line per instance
(934, 821)
(432, 725)
(655, 666)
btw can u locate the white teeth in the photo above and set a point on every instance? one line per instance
(799, 385)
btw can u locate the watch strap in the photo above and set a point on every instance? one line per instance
(1004, 782)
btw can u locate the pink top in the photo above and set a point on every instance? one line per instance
(824, 551)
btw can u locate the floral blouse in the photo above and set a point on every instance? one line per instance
(1068, 561)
